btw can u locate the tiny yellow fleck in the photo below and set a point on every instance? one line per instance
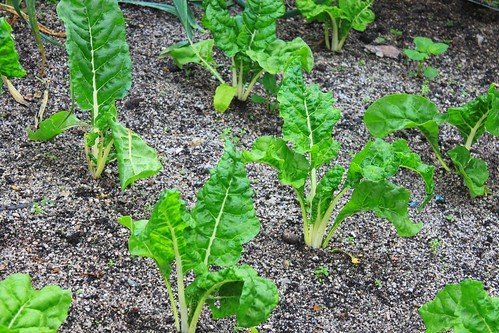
(355, 261)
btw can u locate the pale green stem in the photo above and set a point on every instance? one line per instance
(334, 42)
(173, 303)
(206, 64)
(251, 84)
(313, 185)
(234, 73)
(441, 160)
(473, 131)
(306, 230)
(326, 37)
(327, 216)
(240, 83)
(102, 159)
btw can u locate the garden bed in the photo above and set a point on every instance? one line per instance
(59, 225)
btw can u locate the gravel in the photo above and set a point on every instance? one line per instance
(72, 239)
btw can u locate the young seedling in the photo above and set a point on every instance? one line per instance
(402, 111)
(9, 61)
(424, 48)
(24, 309)
(309, 118)
(434, 246)
(249, 40)
(321, 273)
(207, 241)
(339, 17)
(462, 307)
(100, 72)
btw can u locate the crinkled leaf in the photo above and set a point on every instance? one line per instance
(163, 236)
(464, 307)
(325, 191)
(473, 118)
(54, 125)
(136, 160)
(309, 118)
(314, 11)
(191, 53)
(386, 200)
(401, 111)
(235, 291)
(224, 94)
(357, 12)
(474, 170)
(24, 309)
(9, 59)
(278, 55)
(224, 214)
(292, 167)
(99, 59)
(222, 26)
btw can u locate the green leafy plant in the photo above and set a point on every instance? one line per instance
(211, 234)
(402, 111)
(249, 39)
(463, 307)
(24, 309)
(9, 60)
(424, 48)
(309, 118)
(100, 71)
(339, 17)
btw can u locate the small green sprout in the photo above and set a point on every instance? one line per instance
(424, 49)
(321, 272)
(450, 218)
(434, 246)
(378, 283)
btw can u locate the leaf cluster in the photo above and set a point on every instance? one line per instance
(423, 49)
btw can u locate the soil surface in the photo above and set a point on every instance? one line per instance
(70, 237)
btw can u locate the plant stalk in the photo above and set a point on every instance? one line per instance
(328, 214)
(173, 303)
(471, 136)
(251, 84)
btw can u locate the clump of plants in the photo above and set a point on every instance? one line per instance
(207, 242)
(424, 48)
(462, 307)
(396, 112)
(249, 40)
(24, 309)
(307, 148)
(100, 72)
(339, 17)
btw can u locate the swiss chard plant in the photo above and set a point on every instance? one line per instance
(9, 60)
(249, 40)
(24, 309)
(462, 307)
(396, 112)
(423, 49)
(207, 242)
(100, 71)
(307, 147)
(339, 17)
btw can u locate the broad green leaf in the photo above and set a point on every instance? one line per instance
(315, 11)
(136, 160)
(197, 53)
(309, 118)
(423, 44)
(438, 48)
(163, 236)
(224, 94)
(401, 111)
(430, 73)
(325, 191)
(278, 55)
(473, 118)
(357, 12)
(222, 26)
(24, 309)
(473, 170)
(292, 167)
(224, 214)
(464, 308)
(99, 59)
(415, 55)
(235, 291)
(386, 200)
(9, 59)
(55, 125)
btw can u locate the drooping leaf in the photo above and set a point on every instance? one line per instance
(474, 170)
(402, 111)
(477, 116)
(224, 214)
(136, 160)
(99, 59)
(224, 94)
(386, 200)
(357, 12)
(24, 309)
(325, 191)
(197, 53)
(54, 125)
(309, 118)
(239, 291)
(464, 307)
(9, 59)
(292, 167)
